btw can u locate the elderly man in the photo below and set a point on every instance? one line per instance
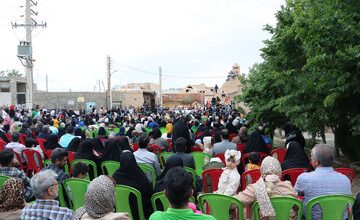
(45, 188)
(324, 180)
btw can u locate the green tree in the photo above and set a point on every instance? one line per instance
(11, 72)
(311, 71)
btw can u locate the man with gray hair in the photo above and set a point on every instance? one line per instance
(324, 180)
(45, 187)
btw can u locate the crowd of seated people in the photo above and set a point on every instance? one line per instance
(126, 136)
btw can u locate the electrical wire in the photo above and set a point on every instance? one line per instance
(166, 75)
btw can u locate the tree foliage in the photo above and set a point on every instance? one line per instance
(11, 72)
(311, 71)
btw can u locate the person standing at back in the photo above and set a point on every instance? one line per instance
(323, 181)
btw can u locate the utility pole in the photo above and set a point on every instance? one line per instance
(47, 84)
(108, 95)
(25, 48)
(160, 86)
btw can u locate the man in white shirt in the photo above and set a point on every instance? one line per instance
(142, 155)
(14, 144)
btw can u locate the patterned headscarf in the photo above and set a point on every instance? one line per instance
(99, 198)
(270, 174)
(11, 195)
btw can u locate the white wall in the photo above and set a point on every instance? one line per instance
(5, 98)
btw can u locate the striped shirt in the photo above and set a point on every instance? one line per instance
(46, 209)
(322, 181)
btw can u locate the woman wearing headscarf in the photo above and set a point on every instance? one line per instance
(74, 144)
(130, 174)
(124, 143)
(170, 163)
(99, 201)
(158, 140)
(295, 157)
(256, 143)
(11, 200)
(86, 151)
(99, 141)
(52, 142)
(269, 184)
(112, 151)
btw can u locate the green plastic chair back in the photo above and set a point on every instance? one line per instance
(3, 179)
(219, 205)
(160, 196)
(109, 167)
(47, 162)
(163, 130)
(193, 174)
(148, 130)
(199, 159)
(76, 189)
(282, 207)
(146, 169)
(332, 206)
(163, 157)
(122, 204)
(61, 196)
(90, 164)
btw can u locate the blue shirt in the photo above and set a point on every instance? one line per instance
(65, 140)
(322, 181)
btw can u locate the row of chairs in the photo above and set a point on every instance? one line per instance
(211, 177)
(333, 206)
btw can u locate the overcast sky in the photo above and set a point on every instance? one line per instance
(187, 38)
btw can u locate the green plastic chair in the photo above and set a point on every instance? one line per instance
(148, 130)
(199, 159)
(3, 179)
(163, 130)
(282, 207)
(160, 196)
(122, 204)
(332, 206)
(90, 164)
(109, 167)
(193, 174)
(47, 162)
(163, 157)
(147, 168)
(61, 196)
(76, 189)
(219, 205)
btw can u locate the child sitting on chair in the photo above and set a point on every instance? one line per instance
(229, 181)
(79, 170)
(254, 160)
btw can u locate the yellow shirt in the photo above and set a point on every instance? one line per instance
(56, 123)
(251, 166)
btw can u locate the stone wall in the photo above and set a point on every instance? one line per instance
(71, 100)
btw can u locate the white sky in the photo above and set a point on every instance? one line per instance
(190, 38)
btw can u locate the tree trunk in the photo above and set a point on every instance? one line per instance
(337, 152)
(323, 137)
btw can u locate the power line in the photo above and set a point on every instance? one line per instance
(167, 75)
